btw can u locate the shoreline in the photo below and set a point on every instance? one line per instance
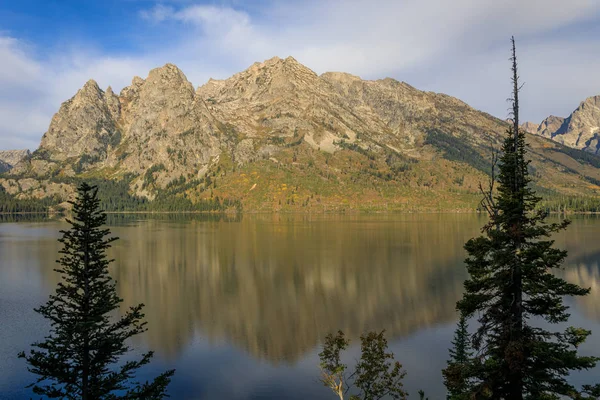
(349, 212)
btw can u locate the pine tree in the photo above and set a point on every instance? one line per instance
(511, 288)
(455, 375)
(79, 359)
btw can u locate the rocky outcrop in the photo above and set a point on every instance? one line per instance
(581, 130)
(10, 158)
(83, 126)
(530, 127)
(550, 126)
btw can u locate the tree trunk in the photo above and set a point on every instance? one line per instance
(86, 304)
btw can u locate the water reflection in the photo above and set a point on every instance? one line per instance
(274, 286)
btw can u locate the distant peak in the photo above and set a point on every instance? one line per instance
(136, 81)
(169, 71)
(89, 90)
(272, 60)
(340, 76)
(91, 84)
(595, 100)
(167, 68)
(275, 61)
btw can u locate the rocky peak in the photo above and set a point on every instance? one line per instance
(89, 91)
(530, 127)
(580, 130)
(583, 131)
(273, 77)
(550, 126)
(83, 125)
(168, 76)
(165, 87)
(13, 157)
(128, 92)
(113, 103)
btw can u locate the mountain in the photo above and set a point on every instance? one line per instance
(12, 157)
(530, 127)
(550, 126)
(580, 130)
(277, 136)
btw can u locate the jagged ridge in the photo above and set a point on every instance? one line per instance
(278, 135)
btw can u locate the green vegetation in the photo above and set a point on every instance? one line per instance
(456, 373)
(565, 204)
(455, 149)
(149, 177)
(376, 374)
(81, 356)
(579, 155)
(114, 196)
(84, 160)
(10, 204)
(355, 147)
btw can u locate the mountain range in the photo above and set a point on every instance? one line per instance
(580, 130)
(277, 136)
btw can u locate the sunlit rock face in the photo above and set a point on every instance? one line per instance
(374, 138)
(580, 130)
(10, 158)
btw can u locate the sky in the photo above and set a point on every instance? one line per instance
(50, 48)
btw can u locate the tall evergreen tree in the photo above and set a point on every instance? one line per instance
(456, 375)
(80, 357)
(511, 289)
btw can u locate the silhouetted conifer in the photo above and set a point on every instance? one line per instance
(80, 357)
(512, 289)
(456, 375)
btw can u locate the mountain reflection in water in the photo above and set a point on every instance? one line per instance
(272, 286)
(275, 286)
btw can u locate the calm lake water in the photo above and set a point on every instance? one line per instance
(239, 306)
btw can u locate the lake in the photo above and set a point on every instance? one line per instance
(240, 305)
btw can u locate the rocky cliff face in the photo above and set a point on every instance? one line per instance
(581, 130)
(550, 126)
(10, 158)
(278, 123)
(530, 127)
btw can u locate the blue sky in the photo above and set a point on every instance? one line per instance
(49, 49)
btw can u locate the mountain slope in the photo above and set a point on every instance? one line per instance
(278, 136)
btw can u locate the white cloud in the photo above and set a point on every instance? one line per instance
(33, 89)
(459, 47)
